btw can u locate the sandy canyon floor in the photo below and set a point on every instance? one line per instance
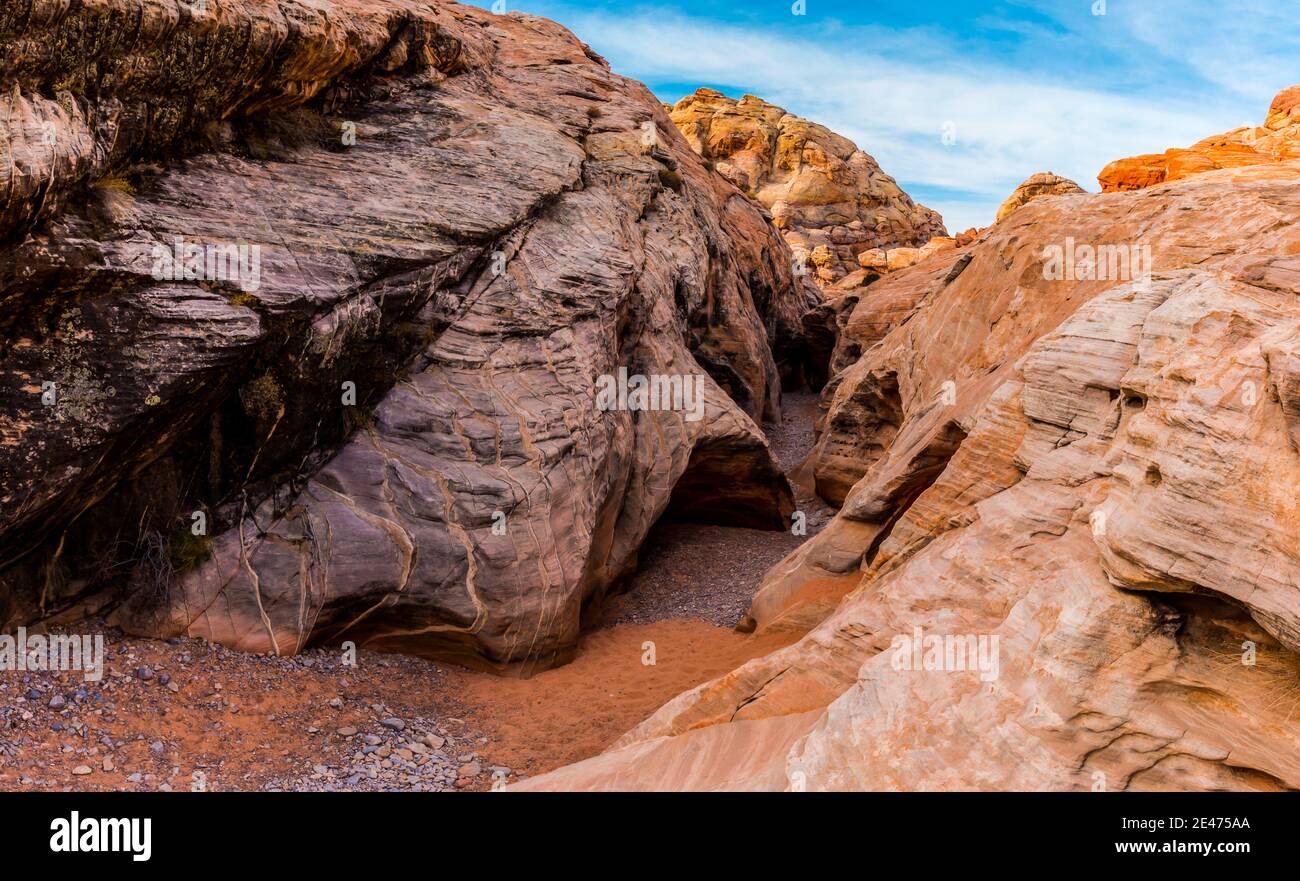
(184, 714)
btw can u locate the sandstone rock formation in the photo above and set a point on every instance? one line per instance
(878, 261)
(830, 200)
(1037, 186)
(361, 405)
(1085, 486)
(1277, 140)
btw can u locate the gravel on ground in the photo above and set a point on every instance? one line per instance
(183, 714)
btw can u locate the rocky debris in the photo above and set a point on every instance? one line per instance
(388, 421)
(1037, 186)
(902, 258)
(243, 722)
(698, 571)
(1277, 140)
(396, 760)
(710, 573)
(1083, 484)
(831, 201)
(874, 260)
(873, 264)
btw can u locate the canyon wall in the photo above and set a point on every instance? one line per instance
(306, 308)
(1068, 555)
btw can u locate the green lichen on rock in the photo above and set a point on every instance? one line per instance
(187, 550)
(262, 399)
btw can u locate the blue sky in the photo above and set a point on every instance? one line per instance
(1024, 85)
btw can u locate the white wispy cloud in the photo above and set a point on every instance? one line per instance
(893, 93)
(1248, 48)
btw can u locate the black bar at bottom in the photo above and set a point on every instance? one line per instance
(540, 832)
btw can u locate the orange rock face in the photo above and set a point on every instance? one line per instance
(830, 200)
(1277, 140)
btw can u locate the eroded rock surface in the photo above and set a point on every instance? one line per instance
(1277, 140)
(831, 201)
(453, 224)
(1037, 186)
(1085, 487)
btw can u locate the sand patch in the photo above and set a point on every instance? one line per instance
(571, 713)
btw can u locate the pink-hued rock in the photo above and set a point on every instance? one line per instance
(463, 222)
(1092, 481)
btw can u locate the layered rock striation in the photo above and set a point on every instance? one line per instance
(307, 308)
(1068, 555)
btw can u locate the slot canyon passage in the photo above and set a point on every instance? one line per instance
(306, 308)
